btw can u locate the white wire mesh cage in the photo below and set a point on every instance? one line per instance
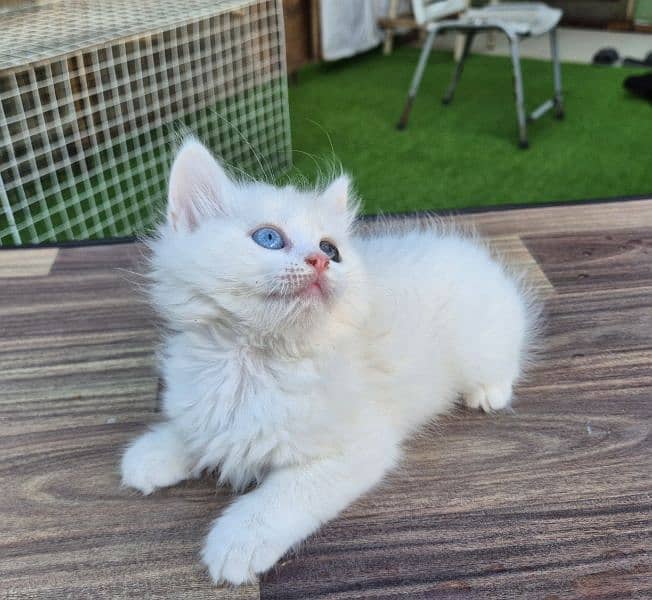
(92, 93)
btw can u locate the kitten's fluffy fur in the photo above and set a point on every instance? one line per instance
(308, 393)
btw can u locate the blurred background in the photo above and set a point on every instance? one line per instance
(94, 95)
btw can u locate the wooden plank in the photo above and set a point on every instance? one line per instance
(105, 258)
(400, 22)
(564, 218)
(392, 13)
(596, 322)
(511, 250)
(297, 19)
(525, 222)
(27, 262)
(315, 28)
(598, 259)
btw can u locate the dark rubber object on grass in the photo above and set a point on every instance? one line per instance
(606, 56)
(635, 62)
(641, 85)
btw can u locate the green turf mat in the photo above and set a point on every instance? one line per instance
(465, 154)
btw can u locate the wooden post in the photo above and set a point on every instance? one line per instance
(392, 13)
(315, 29)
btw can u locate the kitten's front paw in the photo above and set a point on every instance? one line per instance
(236, 552)
(489, 397)
(156, 459)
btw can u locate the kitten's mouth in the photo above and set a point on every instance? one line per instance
(316, 288)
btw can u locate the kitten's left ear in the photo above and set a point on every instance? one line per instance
(199, 187)
(340, 195)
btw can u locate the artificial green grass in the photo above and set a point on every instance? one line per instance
(465, 154)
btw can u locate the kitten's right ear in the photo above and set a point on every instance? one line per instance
(199, 187)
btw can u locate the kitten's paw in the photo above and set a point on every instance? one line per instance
(236, 552)
(156, 459)
(489, 397)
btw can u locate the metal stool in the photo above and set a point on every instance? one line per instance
(516, 21)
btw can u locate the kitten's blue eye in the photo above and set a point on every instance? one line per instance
(330, 250)
(268, 237)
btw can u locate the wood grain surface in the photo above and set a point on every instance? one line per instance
(27, 262)
(550, 501)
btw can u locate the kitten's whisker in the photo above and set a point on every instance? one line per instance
(330, 141)
(314, 159)
(266, 173)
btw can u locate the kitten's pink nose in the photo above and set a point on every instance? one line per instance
(318, 261)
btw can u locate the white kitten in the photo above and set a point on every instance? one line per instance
(300, 355)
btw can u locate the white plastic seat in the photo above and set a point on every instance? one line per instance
(516, 21)
(524, 18)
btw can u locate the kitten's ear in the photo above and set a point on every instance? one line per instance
(340, 195)
(199, 187)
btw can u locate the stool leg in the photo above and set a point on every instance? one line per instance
(518, 93)
(556, 74)
(416, 79)
(468, 41)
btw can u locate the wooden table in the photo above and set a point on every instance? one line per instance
(552, 501)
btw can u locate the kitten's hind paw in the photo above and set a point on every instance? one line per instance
(489, 397)
(154, 460)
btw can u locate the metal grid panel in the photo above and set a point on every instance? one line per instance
(86, 136)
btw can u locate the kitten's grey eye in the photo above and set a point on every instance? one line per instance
(330, 250)
(268, 237)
